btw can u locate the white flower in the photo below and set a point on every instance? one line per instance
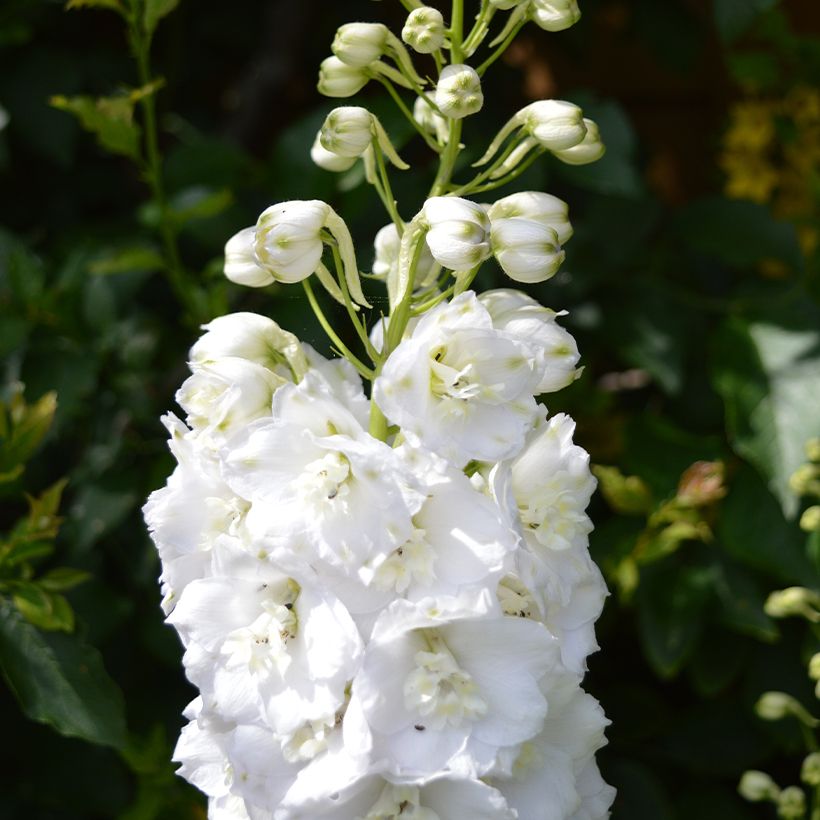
(521, 316)
(252, 337)
(459, 232)
(544, 208)
(424, 30)
(327, 159)
(448, 683)
(359, 44)
(596, 795)
(459, 387)
(430, 120)
(555, 15)
(527, 251)
(349, 131)
(458, 92)
(590, 149)
(338, 79)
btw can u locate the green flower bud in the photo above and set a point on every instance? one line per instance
(810, 770)
(793, 601)
(810, 520)
(778, 705)
(814, 667)
(813, 449)
(755, 786)
(458, 93)
(791, 805)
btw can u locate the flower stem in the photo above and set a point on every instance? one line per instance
(501, 48)
(408, 114)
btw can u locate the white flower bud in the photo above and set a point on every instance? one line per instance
(814, 667)
(241, 264)
(810, 770)
(359, 44)
(327, 159)
(528, 251)
(538, 206)
(556, 124)
(590, 149)
(347, 131)
(774, 705)
(458, 93)
(338, 79)
(793, 601)
(430, 120)
(791, 804)
(555, 15)
(810, 520)
(459, 232)
(387, 245)
(424, 30)
(755, 786)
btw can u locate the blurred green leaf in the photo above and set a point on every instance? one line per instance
(769, 378)
(717, 661)
(740, 234)
(627, 495)
(155, 10)
(734, 17)
(742, 601)
(63, 578)
(114, 5)
(110, 119)
(60, 681)
(671, 601)
(41, 608)
(131, 258)
(22, 429)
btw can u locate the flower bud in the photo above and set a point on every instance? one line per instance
(387, 245)
(430, 120)
(806, 480)
(778, 705)
(590, 149)
(555, 124)
(555, 15)
(791, 804)
(527, 251)
(813, 449)
(810, 520)
(458, 93)
(338, 79)
(359, 44)
(755, 786)
(793, 601)
(327, 159)
(810, 770)
(347, 131)
(540, 207)
(424, 30)
(814, 667)
(459, 232)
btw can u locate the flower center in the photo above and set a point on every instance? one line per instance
(451, 382)
(410, 563)
(399, 803)
(325, 479)
(440, 690)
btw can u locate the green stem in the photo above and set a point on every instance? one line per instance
(361, 332)
(378, 422)
(152, 169)
(513, 175)
(409, 114)
(342, 348)
(500, 50)
(388, 198)
(423, 307)
(448, 159)
(487, 172)
(479, 31)
(456, 32)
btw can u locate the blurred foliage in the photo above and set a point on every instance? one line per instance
(692, 288)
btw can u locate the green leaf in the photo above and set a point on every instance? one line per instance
(60, 681)
(18, 552)
(742, 601)
(24, 431)
(627, 495)
(110, 119)
(63, 578)
(717, 661)
(740, 234)
(41, 608)
(125, 260)
(114, 5)
(155, 10)
(671, 602)
(769, 378)
(734, 17)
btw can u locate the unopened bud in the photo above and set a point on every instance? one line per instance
(338, 79)
(791, 804)
(755, 786)
(557, 125)
(793, 601)
(528, 251)
(458, 93)
(778, 705)
(590, 149)
(540, 207)
(810, 520)
(810, 770)
(327, 159)
(347, 131)
(555, 15)
(387, 245)
(359, 44)
(430, 120)
(814, 667)
(424, 30)
(459, 234)
(813, 449)
(806, 480)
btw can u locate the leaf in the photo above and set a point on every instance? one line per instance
(717, 662)
(124, 260)
(742, 601)
(22, 434)
(671, 602)
(627, 495)
(63, 578)
(740, 234)
(734, 17)
(114, 5)
(155, 10)
(60, 681)
(41, 608)
(110, 119)
(769, 378)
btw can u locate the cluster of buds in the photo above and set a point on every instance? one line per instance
(386, 596)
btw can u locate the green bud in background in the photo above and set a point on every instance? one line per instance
(791, 805)
(810, 771)
(756, 786)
